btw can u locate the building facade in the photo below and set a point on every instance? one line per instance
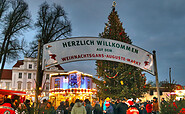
(6, 79)
(24, 75)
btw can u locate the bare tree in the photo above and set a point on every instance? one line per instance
(52, 24)
(3, 6)
(15, 22)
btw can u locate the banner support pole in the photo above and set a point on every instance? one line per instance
(156, 78)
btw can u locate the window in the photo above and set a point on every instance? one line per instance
(1, 85)
(20, 75)
(47, 86)
(29, 75)
(7, 85)
(161, 93)
(30, 66)
(19, 85)
(57, 83)
(47, 76)
(29, 85)
(151, 92)
(88, 83)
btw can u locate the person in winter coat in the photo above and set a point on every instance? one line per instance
(155, 107)
(122, 107)
(78, 108)
(149, 108)
(97, 109)
(142, 109)
(42, 106)
(61, 108)
(106, 100)
(132, 109)
(6, 108)
(109, 108)
(49, 109)
(88, 106)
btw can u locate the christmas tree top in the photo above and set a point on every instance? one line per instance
(114, 29)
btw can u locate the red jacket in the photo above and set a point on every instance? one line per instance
(132, 110)
(6, 109)
(182, 111)
(149, 108)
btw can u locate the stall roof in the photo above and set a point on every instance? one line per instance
(11, 92)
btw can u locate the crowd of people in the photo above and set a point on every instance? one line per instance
(108, 106)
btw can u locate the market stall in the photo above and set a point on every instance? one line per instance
(71, 85)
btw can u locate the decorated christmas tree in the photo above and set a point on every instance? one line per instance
(118, 80)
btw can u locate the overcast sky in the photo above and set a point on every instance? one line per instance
(151, 24)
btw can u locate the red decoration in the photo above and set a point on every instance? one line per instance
(105, 89)
(120, 33)
(98, 76)
(113, 76)
(144, 86)
(129, 72)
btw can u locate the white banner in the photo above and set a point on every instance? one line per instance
(94, 48)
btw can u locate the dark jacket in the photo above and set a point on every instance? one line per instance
(88, 108)
(142, 110)
(50, 110)
(97, 109)
(121, 108)
(109, 110)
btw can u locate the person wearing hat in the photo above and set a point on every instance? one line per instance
(109, 108)
(122, 107)
(132, 109)
(106, 100)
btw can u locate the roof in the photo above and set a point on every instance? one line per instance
(19, 62)
(59, 67)
(7, 74)
(11, 92)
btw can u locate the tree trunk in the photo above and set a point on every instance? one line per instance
(4, 57)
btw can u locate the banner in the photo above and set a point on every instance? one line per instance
(95, 48)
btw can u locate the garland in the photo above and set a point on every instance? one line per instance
(111, 77)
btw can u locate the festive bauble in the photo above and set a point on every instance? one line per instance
(121, 82)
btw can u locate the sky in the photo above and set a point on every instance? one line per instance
(151, 24)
